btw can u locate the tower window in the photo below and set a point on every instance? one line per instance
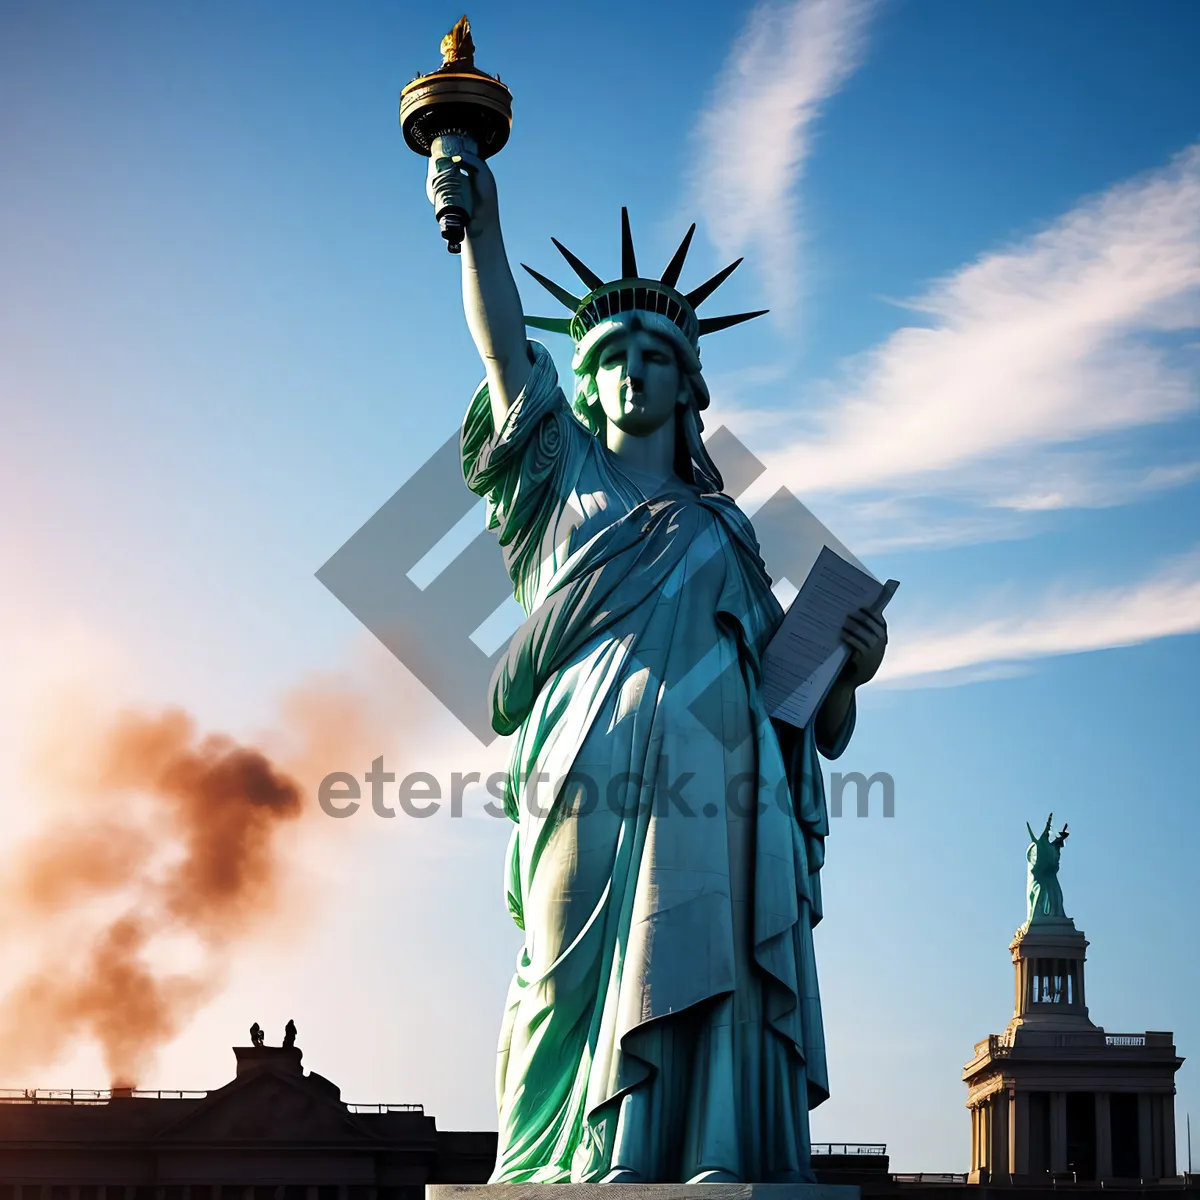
(1053, 981)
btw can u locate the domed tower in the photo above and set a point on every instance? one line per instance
(1054, 1094)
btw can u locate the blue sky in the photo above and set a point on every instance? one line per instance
(229, 332)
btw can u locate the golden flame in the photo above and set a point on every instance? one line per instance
(457, 45)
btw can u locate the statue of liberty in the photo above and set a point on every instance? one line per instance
(1045, 892)
(664, 1020)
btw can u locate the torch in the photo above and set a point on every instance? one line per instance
(454, 110)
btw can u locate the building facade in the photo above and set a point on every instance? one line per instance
(274, 1132)
(1057, 1098)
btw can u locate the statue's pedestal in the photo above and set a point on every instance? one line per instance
(641, 1191)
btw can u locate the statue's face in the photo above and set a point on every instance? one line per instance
(639, 381)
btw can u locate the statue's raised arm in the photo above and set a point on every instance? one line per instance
(458, 115)
(490, 299)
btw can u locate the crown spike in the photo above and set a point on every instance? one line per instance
(581, 269)
(550, 324)
(715, 324)
(699, 295)
(560, 294)
(628, 261)
(671, 275)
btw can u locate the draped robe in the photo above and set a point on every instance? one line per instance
(664, 1016)
(1045, 892)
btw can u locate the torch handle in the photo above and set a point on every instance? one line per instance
(452, 186)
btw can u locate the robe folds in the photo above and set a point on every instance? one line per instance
(664, 1017)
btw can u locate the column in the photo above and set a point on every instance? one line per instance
(1168, 1110)
(1104, 1166)
(1000, 1160)
(981, 1138)
(1145, 1137)
(985, 1136)
(1020, 1133)
(975, 1138)
(1058, 1132)
(989, 1127)
(1156, 1136)
(1011, 1097)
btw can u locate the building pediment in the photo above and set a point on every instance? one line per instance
(267, 1106)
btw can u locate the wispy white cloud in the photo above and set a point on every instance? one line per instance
(1060, 622)
(757, 132)
(1061, 338)
(1007, 501)
(1090, 481)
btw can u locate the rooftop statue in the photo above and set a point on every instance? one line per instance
(1045, 894)
(664, 1021)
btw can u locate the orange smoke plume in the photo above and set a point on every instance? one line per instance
(166, 854)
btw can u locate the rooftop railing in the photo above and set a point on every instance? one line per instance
(1000, 1045)
(385, 1108)
(106, 1095)
(90, 1095)
(848, 1148)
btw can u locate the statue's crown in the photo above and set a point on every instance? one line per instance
(633, 293)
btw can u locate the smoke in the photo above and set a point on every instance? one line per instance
(143, 856)
(159, 856)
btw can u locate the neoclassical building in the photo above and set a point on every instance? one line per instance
(275, 1132)
(1056, 1095)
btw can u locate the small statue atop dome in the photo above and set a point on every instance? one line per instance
(1045, 893)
